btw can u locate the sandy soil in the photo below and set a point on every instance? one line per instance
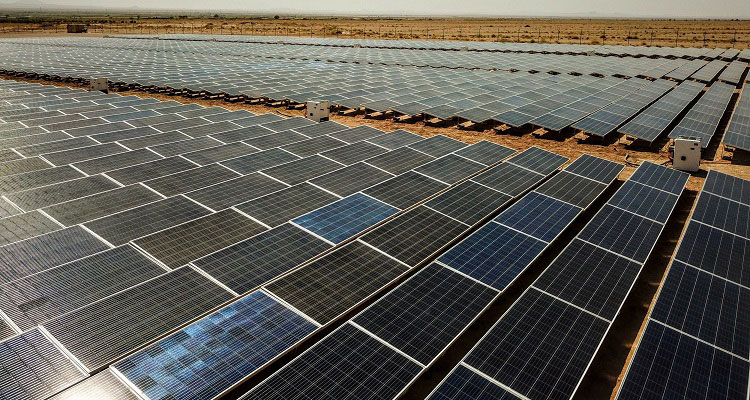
(687, 33)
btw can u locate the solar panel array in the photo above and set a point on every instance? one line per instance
(737, 134)
(733, 73)
(652, 122)
(415, 322)
(702, 121)
(696, 343)
(542, 346)
(709, 71)
(466, 85)
(319, 291)
(608, 119)
(91, 256)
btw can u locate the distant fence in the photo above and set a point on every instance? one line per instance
(738, 38)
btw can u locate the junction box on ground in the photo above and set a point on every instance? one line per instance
(687, 153)
(318, 111)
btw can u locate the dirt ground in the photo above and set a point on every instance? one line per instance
(607, 369)
(641, 32)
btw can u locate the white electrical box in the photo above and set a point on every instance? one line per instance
(687, 153)
(99, 85)
(318, 111)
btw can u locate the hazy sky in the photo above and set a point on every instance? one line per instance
(661, 8)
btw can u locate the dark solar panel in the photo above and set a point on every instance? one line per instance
(261, 160)
(450, 169)
(116, 161)
(572, 189)
(102, 386)
(486, 152)
(150, 170)
(331, 285)
(33, 368)
(101, 204)
(438, 146)
(709, 248)
(23, 165)
(494, 255)
(707, 307)
(595, 168)
(405, 190)
(131, 224)
(21, 259)
(622, 232)
(235, 191)
(396, 139)
(248, 264)
(277, 208)
(313, 146)
(103, 331)
(414, 236)
(38, 298)
(508, 179)
(644, 200)
(192, 179)
(538, 160)
(380, 373)
(468, 202)
(24, 226)
(539, 216)
(672, 365)
(727, 186)
(463, 383)
(30, 180)
(724, 214)
(400, 160)
(423, 315)
(83, 153)
(606, 278)
(298, 171)
(353, 153)
(275, 140)
(357, 134)
(558, 342)
(661, 178)
(178, 245)
(186, 146)
(320, 129)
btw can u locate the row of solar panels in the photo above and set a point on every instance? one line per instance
(637, 51)
(696, 343)
(184, 51)
(104, 301)
(510, 100)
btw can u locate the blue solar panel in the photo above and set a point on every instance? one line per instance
(208, 356)
(724, 214)
(494, 255)
(345, 218)
(539, 216)
(644, 200)
(622, 232)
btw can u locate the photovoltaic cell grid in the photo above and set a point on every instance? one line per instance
(608, 119)
(651, 123)
(560, 320)
(703, 119)
(697, 342)
(418, 319)
(737, 134)
(113, 200)
(253, 255)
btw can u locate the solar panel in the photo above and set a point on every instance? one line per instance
(113, 326)
(189, 180)
(275, 140)
(427, 312)
(237, 135)
(405, 190)
(34, 368)
(39, 253)
(674, 365)
(208, 356)
(396, 139)
(400, 160)
(101, 204)
(486, 152)
(724, 214)
(349, 180)
(140, 221)
(380, 370)
(235, 191)
(345, 218)
(643, 200)
(83, 153)
(357, 134)
(539, 216)
(538, 160)
(248, 264)
(573, 189)
(104, 386)
(23, 165)
(150, 170)
(116, 161)
(463, 382)
(414, 236)
(281, 206)
(329, 286)
(353, 153)
(320, 129)
(508, 179)
(468, 202)
(449, 169)
(24, 226)
(37, 298)
(727, 186)
(180, 244)
(212, 154)
(298, 171)
(184, 146)
(703, 247)
(33, 179)
(704, 117)
(259, 161)
(306, 148)
(438, 146)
